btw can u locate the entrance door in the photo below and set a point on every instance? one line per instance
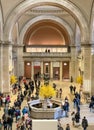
(37, 69)
(27, 69)
(65, 69)
(46, 68)
(56, 73)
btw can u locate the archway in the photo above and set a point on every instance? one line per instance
(55, 19)
(26, 5)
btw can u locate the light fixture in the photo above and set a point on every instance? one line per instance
(65, 64)
(46, 63)
(28, 63)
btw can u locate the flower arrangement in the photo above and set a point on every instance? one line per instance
(47, 91)
(13, 79)
(80, 79)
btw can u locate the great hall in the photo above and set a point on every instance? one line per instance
(47, 36)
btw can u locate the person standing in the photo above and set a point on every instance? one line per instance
(71, 89)
(73, 118)
(74, 89)
(84, 123)
(67, 127)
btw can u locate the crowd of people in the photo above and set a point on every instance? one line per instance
(22, 116)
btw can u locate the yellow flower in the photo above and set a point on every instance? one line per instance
(47, 91)
(80, 79)
(13, 79)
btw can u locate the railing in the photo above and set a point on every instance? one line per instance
(44, 54)
(47, 49)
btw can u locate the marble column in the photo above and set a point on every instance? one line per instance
(1, 66)
(42, 67)
(86, 53)
(61, 70)
(51, 70)
(20, 61)
(92, 74)
(7, 64)
(73, 63)
(32, 74)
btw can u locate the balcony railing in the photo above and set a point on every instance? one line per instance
(44, 54)
(46, 51)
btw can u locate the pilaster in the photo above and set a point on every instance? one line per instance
(1, 66)
(61, 72)
(73, 68)
(20, 61)
(51, 70)
(7, 63)
(92, 75)
(86, 53)
(42, 67)
(32, 74)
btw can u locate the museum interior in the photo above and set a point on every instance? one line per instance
(53, 38)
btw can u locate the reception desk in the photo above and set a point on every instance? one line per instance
(44, 124)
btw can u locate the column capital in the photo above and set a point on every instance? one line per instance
(18, 45)
(73, 45)
(86, 43)
(7, 43)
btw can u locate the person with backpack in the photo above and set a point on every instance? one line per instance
(84, 123)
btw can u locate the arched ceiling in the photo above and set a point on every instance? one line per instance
(21, 11)
(46, 30)
(68, 6)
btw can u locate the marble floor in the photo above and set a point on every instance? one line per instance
(66, 92)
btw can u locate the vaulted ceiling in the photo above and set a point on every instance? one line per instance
(85, 6)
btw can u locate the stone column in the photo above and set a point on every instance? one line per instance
(20, 61)
(42, 67)
(1, 66)
(51, 70)
(61, 70)
(73, 63)
(7, 64)
(32, 74)
(92, 74)
(86, 53)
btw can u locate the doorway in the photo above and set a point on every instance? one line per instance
(27, 69)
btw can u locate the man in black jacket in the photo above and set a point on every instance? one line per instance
(84, 123)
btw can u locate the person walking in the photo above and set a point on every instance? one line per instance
(84, 123)
(67, 127)
(73, 118)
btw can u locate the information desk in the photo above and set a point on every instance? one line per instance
(44, 124)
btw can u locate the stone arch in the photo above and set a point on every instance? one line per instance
(51, 18)
(67, 5)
